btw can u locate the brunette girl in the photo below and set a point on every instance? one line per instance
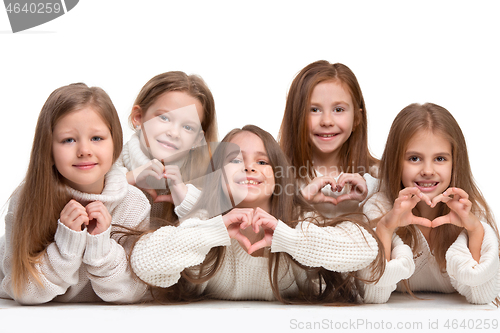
(58, 242)
(435, 226)
(271, 246)
(324, 134)
(174, 118)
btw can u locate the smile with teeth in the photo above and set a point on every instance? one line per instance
(326, 135)
(248, 182)
(426, 184)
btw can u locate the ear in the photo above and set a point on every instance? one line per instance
(136, 116)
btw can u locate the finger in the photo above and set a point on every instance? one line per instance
(456, 191)
(440, 221)
(421, 221)
(257, 246)
(350, 178)
(243, 240)
(151, 192)
(164, 198)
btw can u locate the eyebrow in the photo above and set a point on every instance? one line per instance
(419, 153)
(258, 153)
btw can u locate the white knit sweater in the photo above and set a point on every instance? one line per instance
(77, 266)
(133, 157)
(160, 257)
(478, 282)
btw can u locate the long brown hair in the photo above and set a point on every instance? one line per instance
(413, 119)
(42, 195)
(293, 135)
(196, 87)
(334, 287)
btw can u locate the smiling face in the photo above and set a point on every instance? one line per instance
(82, 148)
(428, 163)
(171, 126)
(331, 118)
(250, 177)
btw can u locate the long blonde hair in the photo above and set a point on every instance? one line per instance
(42, 195)
(413, 119)
(294, 133)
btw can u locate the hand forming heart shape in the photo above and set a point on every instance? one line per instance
(358, 190)
(239, 219)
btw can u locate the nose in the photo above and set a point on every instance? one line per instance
(172, 131)
(249, 167)
(327, 119)
(84, 149)
(427, 169)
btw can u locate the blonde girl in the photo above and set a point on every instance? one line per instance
(58, 243)
(173, 117)
(435, 226)
(324, 134)
(266, 245)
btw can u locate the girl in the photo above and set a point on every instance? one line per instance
(432, 220)
(173, 114)
(324, 134)
(58, 243)
(254, 251)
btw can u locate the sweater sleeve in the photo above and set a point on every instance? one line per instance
(58, 267)
(401, 266)
(479, 281)
(189, 201)
(159, 258)
(345, 247)
(107, 263)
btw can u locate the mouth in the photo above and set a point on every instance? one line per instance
(326, 136)
(85, 166)
(249, 182)
(167, 145)
(426, 186)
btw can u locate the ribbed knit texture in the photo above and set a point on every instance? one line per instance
(77, 266)
(478, 282)
(160, 257)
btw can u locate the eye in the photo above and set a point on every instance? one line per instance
(68, 140)
(163, 117)
(236, 160)
(338, 109)
(315, 110)
(188, 128)
(96, 138)
(414, 159)
(441, 159)
(262, 162)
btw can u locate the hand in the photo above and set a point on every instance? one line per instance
(74, 216)
(358, 191)
(99, 218)
(177, 188)
(460, 205)
(312, 192)
(401, 213)
(138, 177)
(237, 219)
(268, 222)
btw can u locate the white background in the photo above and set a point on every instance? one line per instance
(445, 52)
